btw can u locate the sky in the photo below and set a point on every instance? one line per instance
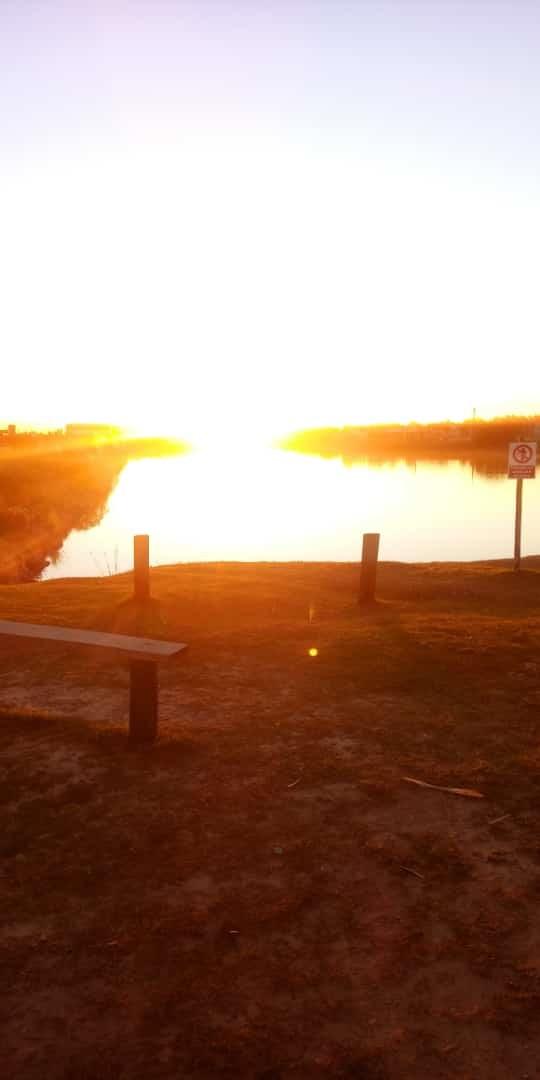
(246, 217)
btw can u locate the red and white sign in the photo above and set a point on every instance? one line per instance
(522, 460)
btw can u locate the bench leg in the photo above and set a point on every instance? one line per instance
(143, 701)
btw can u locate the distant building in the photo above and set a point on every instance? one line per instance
(91, 431)
(10, 431)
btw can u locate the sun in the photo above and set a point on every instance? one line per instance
(214, 429)
(227, 439)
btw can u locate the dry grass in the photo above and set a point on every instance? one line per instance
(238, 901)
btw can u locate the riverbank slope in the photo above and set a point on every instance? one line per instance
(262, 894)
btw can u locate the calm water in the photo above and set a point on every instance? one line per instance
(276, 505)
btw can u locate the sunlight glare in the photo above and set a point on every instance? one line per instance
(268, 336)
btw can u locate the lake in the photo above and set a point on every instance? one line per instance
(278, 505)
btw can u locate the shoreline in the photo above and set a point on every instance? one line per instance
(528, 562)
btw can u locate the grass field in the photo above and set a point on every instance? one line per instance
(261, 894)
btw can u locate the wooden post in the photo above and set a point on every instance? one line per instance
(368, 573)
(143, 701)
(517, 527)
(141, 567)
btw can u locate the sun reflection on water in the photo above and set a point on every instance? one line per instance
(270, 504)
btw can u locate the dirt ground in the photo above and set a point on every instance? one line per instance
(261, 894)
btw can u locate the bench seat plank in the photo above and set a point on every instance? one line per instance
(136, 647)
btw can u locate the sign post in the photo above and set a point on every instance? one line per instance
(517, 523)
(521, 466)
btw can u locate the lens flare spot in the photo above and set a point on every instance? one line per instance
(313, 652)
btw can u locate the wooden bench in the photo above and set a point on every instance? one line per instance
(143, 654)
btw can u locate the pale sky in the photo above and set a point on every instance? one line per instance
(268, 214)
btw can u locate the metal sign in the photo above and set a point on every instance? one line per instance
(522, 460)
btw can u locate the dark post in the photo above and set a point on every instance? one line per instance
(143, 701)
(517, 526)
(368, 573)
(141, 567)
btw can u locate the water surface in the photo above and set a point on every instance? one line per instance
(278, 505)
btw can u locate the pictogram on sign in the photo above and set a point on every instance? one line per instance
(522, 460)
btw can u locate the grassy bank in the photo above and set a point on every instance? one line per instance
(261, 894)
(50, 485)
